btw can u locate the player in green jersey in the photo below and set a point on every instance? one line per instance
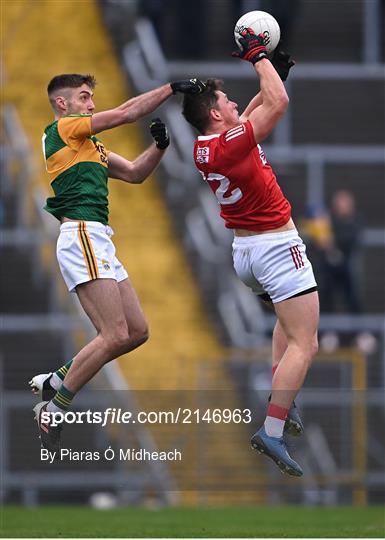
(79, 167)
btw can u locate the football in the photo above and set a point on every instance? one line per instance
(261, 23)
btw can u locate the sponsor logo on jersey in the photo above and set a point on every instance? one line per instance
(203, 154)
(102, 151)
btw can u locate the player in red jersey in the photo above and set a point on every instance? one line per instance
(268, 254)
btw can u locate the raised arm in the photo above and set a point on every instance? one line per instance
(139, 106)
(274, 101)
(267, 107)
(136, 172)
(282, 63)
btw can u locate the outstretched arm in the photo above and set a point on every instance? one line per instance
(139, 106)
(131, 110)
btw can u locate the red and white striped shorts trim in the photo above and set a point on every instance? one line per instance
(297, 257)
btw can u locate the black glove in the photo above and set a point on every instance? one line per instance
(188, 86)
(282, 62)
(252, 47)
(160, 133)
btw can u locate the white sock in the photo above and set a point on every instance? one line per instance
(55, 381)
(274, 426)
(51, 407)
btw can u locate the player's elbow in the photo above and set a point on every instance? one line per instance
(133, 176)
(285, 100)
(279, 108)
(133, 179)
(282, 102)
(137, 180)
(127, 173)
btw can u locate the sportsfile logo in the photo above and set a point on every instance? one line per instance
(108, 416)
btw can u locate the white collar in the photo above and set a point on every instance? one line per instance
(207, 137)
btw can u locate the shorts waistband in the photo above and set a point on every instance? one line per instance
(260, 238)
(87, 225)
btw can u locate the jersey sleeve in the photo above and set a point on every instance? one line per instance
(74, 129)
(236, 142)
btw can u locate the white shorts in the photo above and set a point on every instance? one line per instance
(273, 263)
(85, 252)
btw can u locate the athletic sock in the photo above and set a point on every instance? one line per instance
(60, 374)
(275, 420)
(61, 401)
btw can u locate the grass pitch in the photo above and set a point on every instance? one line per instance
(276, 522)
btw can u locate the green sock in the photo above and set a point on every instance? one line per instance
(63, 398)
(62, 371)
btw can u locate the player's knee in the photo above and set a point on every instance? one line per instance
(140, 334)
(307, 348)
(145, 334)
(117, 339)
(136, 337)
(314, 347)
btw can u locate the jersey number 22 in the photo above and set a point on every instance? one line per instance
(222, 192)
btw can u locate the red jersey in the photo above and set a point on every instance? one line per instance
(236, 169)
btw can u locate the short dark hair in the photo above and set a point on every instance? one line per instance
(196, 107)
(72, 80)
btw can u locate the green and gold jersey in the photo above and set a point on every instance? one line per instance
(77, 164)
